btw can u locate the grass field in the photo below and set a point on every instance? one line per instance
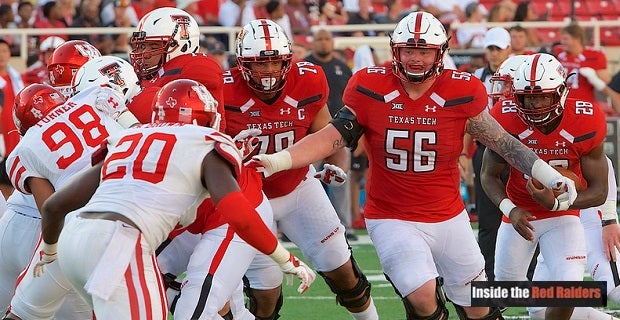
(319, 303)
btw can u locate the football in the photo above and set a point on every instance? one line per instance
(565, 172)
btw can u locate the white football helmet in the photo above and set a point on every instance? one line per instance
(260, 41)
(418, 30)
(501, 81)
(173, 31)
(541, 74)
(107, 70)
(48, 46)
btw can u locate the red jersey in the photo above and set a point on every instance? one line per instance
(579, 86)
(283, 121)
(413, 145)
(582, 128)
(37, 74)
(198, 67)
(9, 131)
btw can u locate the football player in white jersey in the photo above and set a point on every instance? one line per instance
(64, 141)
(22, 220)
(107, 248)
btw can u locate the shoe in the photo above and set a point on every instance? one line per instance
(284, 238)
(472, 217)
(351, 236)
(358, 224)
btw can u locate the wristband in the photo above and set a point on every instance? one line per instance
(280, 255)
(280, 161)
(49, 248)
(605, 223)
(505, 206)
(545, 173)
(608, 210)
(127, 119)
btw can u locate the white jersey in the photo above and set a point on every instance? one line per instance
(60, 145)
(152, 175)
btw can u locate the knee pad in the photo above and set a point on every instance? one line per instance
(354, 297)
(495, 313)
(252, 303)
(440, 314)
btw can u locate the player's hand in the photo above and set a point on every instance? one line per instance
(593, 78)
(520, 220)
(110, 102)
(543, 196)
(268, 164)
(567, 198)
(331, 175)
(47, 255)
(611, 241)
(247, 140)
(297, 268)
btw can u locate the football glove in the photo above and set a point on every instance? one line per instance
(291, 266)
(566, 199)
(47, 255)
(246, 141)
(331, 175)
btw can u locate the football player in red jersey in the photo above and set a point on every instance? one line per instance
(564, 132)
(601, 241)
(413, 118)
(165, 47)
(287, 99)
(575, 56)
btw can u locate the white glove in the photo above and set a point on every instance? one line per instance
(47, 255)
(331, 175)
(269, 164)
(593, 78)
(246, 141)
(110, 101)
(566, 199)
(291, 266)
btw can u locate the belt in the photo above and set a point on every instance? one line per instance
(27, 215)
(111, 216)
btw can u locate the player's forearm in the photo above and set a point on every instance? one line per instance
(246, 222)
(340, 158)
(316, 146)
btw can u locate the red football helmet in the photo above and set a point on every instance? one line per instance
(66, 60)
(186, 101)
(33, 103)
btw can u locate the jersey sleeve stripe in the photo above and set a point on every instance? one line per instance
(370, 93)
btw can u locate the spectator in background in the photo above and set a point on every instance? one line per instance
(525, 12)
(503, 11)
(89, 18)
(574, 55)
(363, 57)
(446, 11)
(497, 44)
(209, 9)
(330, 14)
(233, 13)
(10, 84)
(25, 17)
(472, 37)
(113, 12)
(276, 12)
(123, 16)
(519, 41)
(7, 21)
(338, 74)
(299, 16)
(363, 16)
(141, 7)
(52, 17)
(67, 10)
(217, 50)
(394, 12)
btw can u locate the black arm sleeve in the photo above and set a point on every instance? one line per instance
(346, 123)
